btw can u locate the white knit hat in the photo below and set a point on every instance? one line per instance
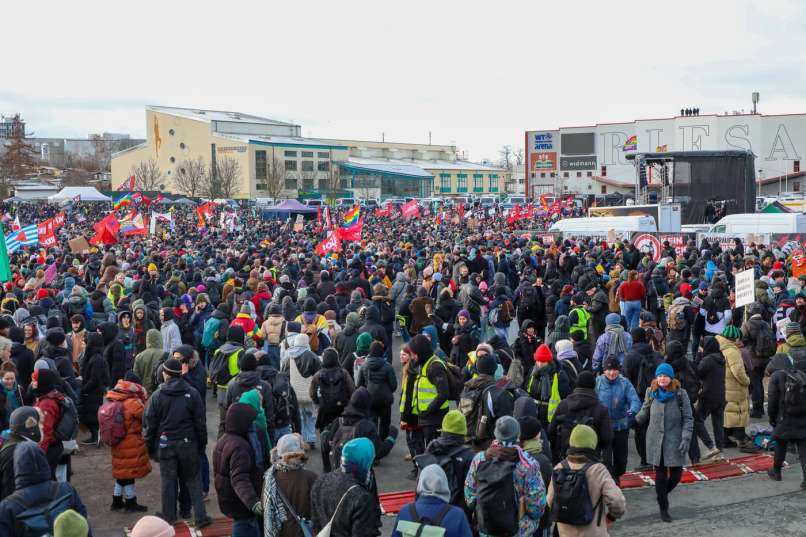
(563, 345)
(152, 526)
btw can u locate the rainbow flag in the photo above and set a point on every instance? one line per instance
(123, 201)
(351, 216)
(631, 144)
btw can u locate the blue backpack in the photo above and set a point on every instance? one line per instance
(37, 519)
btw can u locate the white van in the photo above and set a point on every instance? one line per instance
(601, 225)
(761, 223)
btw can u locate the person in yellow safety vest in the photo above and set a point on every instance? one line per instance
(547, 384)
(469, 371)
(431, 387)
(579, 315)
(408, 411)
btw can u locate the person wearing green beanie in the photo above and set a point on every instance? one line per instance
(581, 456)
(451, 444)
(362, 345)
(70, 524)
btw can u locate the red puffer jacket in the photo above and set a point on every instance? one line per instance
(129, 456)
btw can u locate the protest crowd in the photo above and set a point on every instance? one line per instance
(528, 368)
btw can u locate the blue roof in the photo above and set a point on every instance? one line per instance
(405, 170)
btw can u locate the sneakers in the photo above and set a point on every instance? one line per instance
(203, 523)
(665, 516)
(775, 475)
(407, 457)
(747, 446)
(711, 453)
(412, 475)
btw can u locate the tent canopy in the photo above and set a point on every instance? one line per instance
(177, 201)
(285, 209)
(86, 193)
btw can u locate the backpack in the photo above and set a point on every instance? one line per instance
(423, 526)
(496, 503)
(455, 381)
(711, 314)
(281, 400)
(565, 424)
(572, 502)
(676, 318)
(58, 314)
(156, 378)
(503, 313)
(765, 344)
(342, 435)
(219, 367)
(313, 336)
(37, 519)
(502, 403)
(527, 301)
(332, 389)
(795, 393)
(111, 422)
(67, 426)
(447, 462)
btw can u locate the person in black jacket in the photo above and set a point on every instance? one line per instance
(24, 425)
(451, 443)
(237, 477)
(249, 379)
(386, 312)
(789, 424)
(113, 351)
(583, 348)
(527, 343)
(430, 419)
(285, 418)
(711, 372)
(581, 407)
(55, 349)
(639, 368)
(95, 381)
(378, 377)
(176, 433)
(375, 328)
(22, 356)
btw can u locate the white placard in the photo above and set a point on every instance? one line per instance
(745, 287)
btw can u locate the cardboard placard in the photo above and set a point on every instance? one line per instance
(298, 226)
(79, 245)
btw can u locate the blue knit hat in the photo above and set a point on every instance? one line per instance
(613, 318)
(357, 457)
(664, 369)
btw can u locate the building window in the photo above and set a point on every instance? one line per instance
(553, 175)
(323, 154)
(579, 174)
(478, 182)
(462, 182)
(307, 183)
(590, 174)
(291, 183)
(171, 132)
(493, 177)
(260, 186)
(323, 166)
(444, 182)
(796, 186)
(565, 175)
(604, 189)
(543, 175)
(307, 154)
(260, 165)
(291, 153)
(307, 165)
(604, 171)
(796, 166)
(290, 165)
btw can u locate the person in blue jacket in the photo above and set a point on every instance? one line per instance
(618, 395)
(433, 495)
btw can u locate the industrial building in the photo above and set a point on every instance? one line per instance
(268, 151)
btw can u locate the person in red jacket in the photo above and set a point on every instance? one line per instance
(244, 320)
(45, 383)
(631, 293)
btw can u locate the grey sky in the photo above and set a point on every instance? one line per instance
(474, 73)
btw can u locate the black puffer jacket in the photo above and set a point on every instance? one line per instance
(237, 477)
(639, 366)
(582, 406)
(786, 427)
(373, 325)
(378, 377)
(113, 351)
(176, 410)
(461, 458)
(359, 514)
(711, 371)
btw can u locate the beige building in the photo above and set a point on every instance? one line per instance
(271, 157)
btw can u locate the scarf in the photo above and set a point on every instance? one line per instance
(252, 398)
(663, 395)
(12, 403)
(274, 511)
(615, 343)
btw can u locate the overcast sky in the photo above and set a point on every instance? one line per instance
(475, 74)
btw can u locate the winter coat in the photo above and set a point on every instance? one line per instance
(438, 376)
(296, 486)
(171, 336)
(149, 359)
(130, 456)
(175, 410)
(794, 347)
(113, 351)
(49, 406)
(359, 514)
(639, 366)
(236, 475)
(525, 346)
(600, 486)
(250, 380)
(96, 380)
(582, 406)
(620, 399)
(375, 328)
(454, 522)
(23, 360)
(670, 425)
(378, 377)
(785, 426)
(451, 443)
(751, 330)
(344, 343)
(32, 480)
(737, 396)
(711, 371)
(600, 352)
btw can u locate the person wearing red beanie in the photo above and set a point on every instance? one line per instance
(42, 294)
(543, 354)
(546, 380)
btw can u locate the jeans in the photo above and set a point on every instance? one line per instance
(245, 527)
(308, 425)
(666, 479)
(274, 354)
(503, 332)
(278, 432)
(180, 462)
(631, 310)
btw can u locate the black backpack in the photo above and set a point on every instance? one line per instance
(496, 503)
(219, 367)
(156, 374)
(572, 501)
(448, 462)
(67, 426)
(342, 435)
(565, 424)
(281, 400)
(765, 344)
(527, 301)
(503, 404)
(37, 518)
(332, 389)
(795, 393)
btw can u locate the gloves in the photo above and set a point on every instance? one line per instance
(630, 420)
(257, 509)
(684, 445)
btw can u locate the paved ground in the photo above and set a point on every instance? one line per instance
(731, 508)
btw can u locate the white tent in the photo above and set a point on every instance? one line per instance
(84, 193)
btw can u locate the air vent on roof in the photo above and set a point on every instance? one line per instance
(202, 112)
(235, 116)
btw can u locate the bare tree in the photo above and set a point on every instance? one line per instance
(190, 177)
(506, 157)
(275, 178)
(228, 178)
(18, 157)
(518, 155)
(331, 180)
(147, 175)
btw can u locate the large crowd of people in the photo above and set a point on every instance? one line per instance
(520, 368)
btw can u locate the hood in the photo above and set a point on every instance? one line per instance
(239, 418)
(330, 359)
(30, 465)
(434, 482)
(725, 343)
(229, 347)
(562, 324)
(153, 339)
(524, 406)
(500, 279)
(582, 398)
(109, 331)
(355, 298)
(796, 340)
(430, 331)
(376, 363)
(373, 315)
(526, 324)
(296, 351)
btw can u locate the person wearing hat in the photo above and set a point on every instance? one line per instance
(580, 406)
(737, 396)
(343, 497)
(483, 400)
(530, 490)
(602, 489)
(711, 372)
(465, 338)
(432, 503)
(24, 426)
(378, 376)
(614, 342)
(248, 379)
(300, 364)
(171, 335)
(451, 444)
(431, 389)
(547, 383)
(202, 310)
(667, 412)
(70, 524)
(176, 435)
(152, 526)
(618, 395)
(561, 330)
(289, 477)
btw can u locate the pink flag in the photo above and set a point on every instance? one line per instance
(50, 273)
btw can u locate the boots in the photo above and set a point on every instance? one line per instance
(92, 439)
(774, 474)
(747, 446)
(665, 516)
(133, 507)
(117, 503)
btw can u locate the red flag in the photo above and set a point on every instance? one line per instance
(128, 184)
(318, 215)
(159, 198)
(461, 211)
(58, 220)
(48, 240)
(384, 210)
(204, 212)
(410, 209)
(332, 243)
(353, 232)
(45, 230)
(111, 222)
